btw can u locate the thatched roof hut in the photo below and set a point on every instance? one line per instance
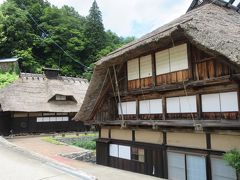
(35, 92)
(213, 27)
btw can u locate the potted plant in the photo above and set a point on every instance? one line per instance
(233, 159)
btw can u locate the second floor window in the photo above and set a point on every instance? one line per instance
(172, 59)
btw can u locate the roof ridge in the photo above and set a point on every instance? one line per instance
(222, 3)
(42, 76)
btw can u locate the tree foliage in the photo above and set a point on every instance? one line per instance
(7, 78)
(47, 36)
(233, 159)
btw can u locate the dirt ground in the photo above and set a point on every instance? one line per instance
(37, 145)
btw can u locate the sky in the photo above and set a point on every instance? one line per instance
(131, 17)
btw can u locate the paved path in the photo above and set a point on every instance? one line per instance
(52, 151)
(16, 164)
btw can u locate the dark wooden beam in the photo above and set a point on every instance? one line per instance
(178, 86)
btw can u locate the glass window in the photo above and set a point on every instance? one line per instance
(183, 166)
(113, 150)
(138, 154)
(221, 170)
(196, 168)
(176, 166)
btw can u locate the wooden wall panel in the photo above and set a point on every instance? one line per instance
(173, 77)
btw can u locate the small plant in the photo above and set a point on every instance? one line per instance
(233, 159)
(91, 145)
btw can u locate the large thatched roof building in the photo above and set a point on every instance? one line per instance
(167, 104)
(42, 102)
(213, 27)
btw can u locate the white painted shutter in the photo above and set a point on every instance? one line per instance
(133, 69)
(156, 106)
(144, 107)
(196, 168)
(124, 152)
(188, 104)
(176, 166)
(229, 101)
(178, 58)
(210, 103)
(162, 62)
(113, 150)
(131, 107)
(221, 170)
(173, 105)
(145, 66)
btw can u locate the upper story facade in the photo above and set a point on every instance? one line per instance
(186, 70)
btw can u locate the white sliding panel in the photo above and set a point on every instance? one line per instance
(59, 118)
(162, 62)
(145, 66)
(52, 119)
(133, 69)
(124, 152)
(131, 107)
(65, 119)
(39, 119)
(144, 107)
(221, 170)
(178, 58)
(188, 104)
(211, 103)
(156, 106)
(46, 119)
(113, 150)
(196, 168)
(173, 105)
(124, 108)
(229, 101)
(176, 166)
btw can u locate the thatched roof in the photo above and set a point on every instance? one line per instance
(211, 27)
(33, 93)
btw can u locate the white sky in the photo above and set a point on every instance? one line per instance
(131, 17)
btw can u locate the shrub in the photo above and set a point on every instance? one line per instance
(233, 159)
(91, 145)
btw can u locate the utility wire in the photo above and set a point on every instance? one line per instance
(44, 32)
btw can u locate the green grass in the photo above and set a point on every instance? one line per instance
(52, 140)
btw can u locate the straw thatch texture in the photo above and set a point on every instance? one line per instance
(32, 92)
(211, 28)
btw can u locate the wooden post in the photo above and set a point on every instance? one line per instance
(137, 108)
(164, 109)
(199, 106)
(153, 70)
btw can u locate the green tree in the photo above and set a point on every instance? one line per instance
(94, 32)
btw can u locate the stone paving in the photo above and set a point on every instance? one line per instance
(37, 145)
